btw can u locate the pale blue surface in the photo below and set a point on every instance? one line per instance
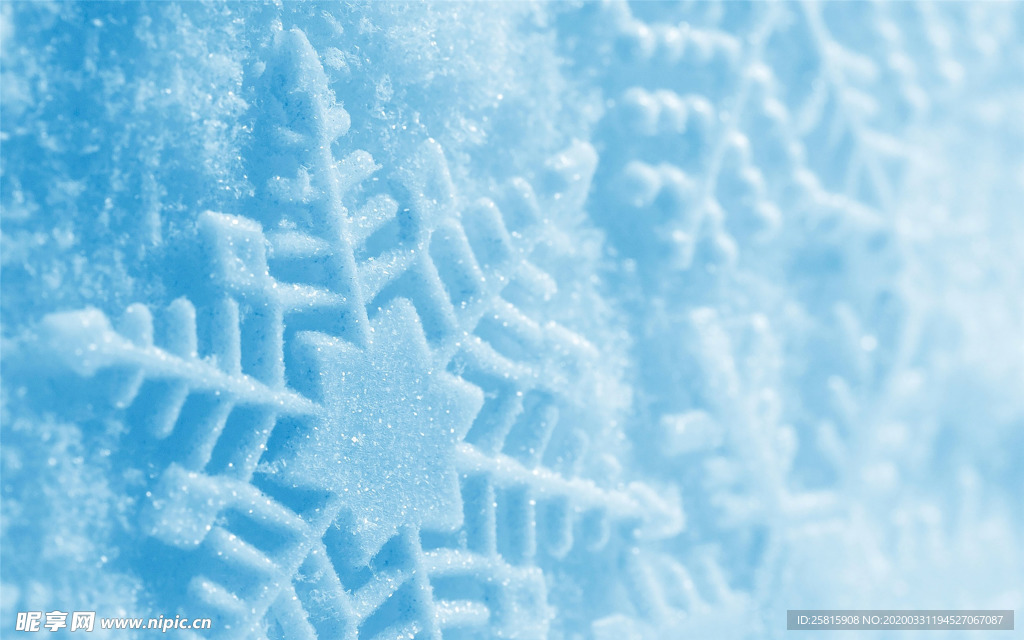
(511, 320)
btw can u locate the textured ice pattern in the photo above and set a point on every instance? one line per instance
(511, 320)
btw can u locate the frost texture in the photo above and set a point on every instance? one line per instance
(599, 320)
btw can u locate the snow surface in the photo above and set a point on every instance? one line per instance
(511, 320)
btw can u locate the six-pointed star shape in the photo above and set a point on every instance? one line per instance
(385, 438)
